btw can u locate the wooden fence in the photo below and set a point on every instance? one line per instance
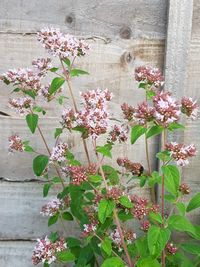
(122, 34)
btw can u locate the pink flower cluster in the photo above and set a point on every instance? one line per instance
(171, 249)
(24, 78)
(128, 111)
(144, 113)
(15, 143)
(59, 152)
(135, 168)
(42, 65)
(142, 207)
(89, 229)
(129, 237)
(52, 207)
(180, 153)
(60, 44)
(149, 75)
(167, 109)
(93, 117)
(21, 105)
(118, 133)
(45, 250)
(145, 225)
(189, 107)
(114, 193)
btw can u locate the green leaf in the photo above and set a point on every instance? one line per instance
(156, 217)
(181, 207)
(163, 155)
(53, 219)
(30, 93)
(113, 262)
(53, 237)
(67, 216)
(54, 69)
(124, 201)
(142, 246)
(111, 174)
(124, 216)
(171, 178)
(45, 264)
(32, 121)
(150, 94)
(136, 132)
(16, 90)
(105, 150)
(106, 245)
(157, 239)
(181, 224)
(154, 130)
(175, 126)
(148, 262)
(73, 242)
(67, 62)
(78, 72)
(142, 85)
(105, 209)
(143, 180)
(65, 256)
(56, 84)
(46, 188)
(39, 164)
(95, 178)
(58, 132)
(28, 148)
(194, 203)
(61, 99)
(155, 178)
(191, 248)
(39, 109)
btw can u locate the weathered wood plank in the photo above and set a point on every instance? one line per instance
(20, 212)
(106, 18)
(16, 253)
(110, 66)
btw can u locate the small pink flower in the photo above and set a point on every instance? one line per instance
(15, 143)
(45, 250)
(42, 65)
(129, 237)
(89, 229)
(60, 44)
(59, 153)
(144, 113)
(118, 133)
(21, 105)
(127, 111)
(114, 193)
(171, 249)
(52, 207)
(145, 225)
(180, 153)
(78, 174)
(149, 75)
(140, 209)
(167, 109)
(68, 118)
(189, 107)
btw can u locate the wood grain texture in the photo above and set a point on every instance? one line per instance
(105, 18)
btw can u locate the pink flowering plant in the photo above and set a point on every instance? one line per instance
(95, 195)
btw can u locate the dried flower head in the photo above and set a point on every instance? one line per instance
(145, 225)
(189, 107)
(180, 153)
(167, 109)
(127, 111)
(45, 250)
(59, 152)
(15, 143)
(60, 44)
(135, 168)
(149, 75)
(52, 207)
(184, 189)
(21, 105)
(118, 133)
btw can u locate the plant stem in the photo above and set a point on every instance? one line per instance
(152, 189)
(163, 195)
(75, 106)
